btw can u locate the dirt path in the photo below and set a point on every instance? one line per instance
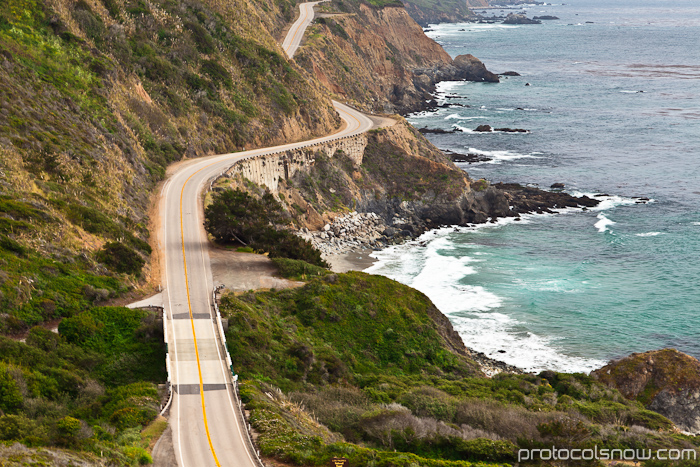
(240, 272)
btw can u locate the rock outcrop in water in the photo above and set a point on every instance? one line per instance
(463, 68)
(514, 18)
(665, 381)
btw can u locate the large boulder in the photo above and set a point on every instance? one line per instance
(470, 68)
(514, 18)
(665, 381)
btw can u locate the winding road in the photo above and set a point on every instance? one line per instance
(207, 427)
(296, 31)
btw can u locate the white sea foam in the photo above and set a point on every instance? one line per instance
(422, 265)
(460, 117)
(492, 333)
(444, 87)
(603, 224)
(464, 129)
(499, 156)
(649, 234)
(608, 201)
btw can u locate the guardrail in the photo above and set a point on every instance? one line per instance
(234, 379)
(168, 383)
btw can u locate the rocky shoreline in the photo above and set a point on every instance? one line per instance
(358, 232)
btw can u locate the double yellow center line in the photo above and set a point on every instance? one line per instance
(189, 305)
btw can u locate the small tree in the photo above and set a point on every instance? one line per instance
(235, 216)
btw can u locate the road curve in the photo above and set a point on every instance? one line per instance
(207, 427)
(296, 32)
(206, 424)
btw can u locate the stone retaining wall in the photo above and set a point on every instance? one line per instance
(270, 168)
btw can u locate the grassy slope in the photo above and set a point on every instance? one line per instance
(96, 99)
(366, 366)
(90, 389)
(437, 11)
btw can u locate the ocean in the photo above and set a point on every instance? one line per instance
(612, 109)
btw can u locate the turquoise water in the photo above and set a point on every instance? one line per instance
(573, 290)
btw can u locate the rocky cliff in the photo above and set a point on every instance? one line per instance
(379, 57)
(665, 381)
(426, 12)
(395, 174)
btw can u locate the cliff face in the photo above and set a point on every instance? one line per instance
(478, 3)
(374, 56)
(665, 381)
(399, 175)
(366, 54)
(426, 12)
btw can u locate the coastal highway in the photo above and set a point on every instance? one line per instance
(206, 424)
(296, 32)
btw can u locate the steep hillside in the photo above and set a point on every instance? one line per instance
(373, 55)
(402, 174)
(363, 367)
(479, 3)
(96, 99)
(666, 381)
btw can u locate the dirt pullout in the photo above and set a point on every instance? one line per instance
(240, 272)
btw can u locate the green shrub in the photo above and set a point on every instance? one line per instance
(10, 395)
(93, 221)
(15, 427)
(68, 426)
(217, 73)
(120, 258)
(297, 269)
(427, 401)
(8, 244)
(485, 449)
(201, 37)
(480, 185)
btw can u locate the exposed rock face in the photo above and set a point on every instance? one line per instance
(445, 11)
(524, 199)
(462, 68)
(513, 18)
(367, 55)
(381, 59)
(665, 381)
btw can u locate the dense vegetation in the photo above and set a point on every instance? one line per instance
(366, 366)
(90, 388)
(96, 99)
(259, 223)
